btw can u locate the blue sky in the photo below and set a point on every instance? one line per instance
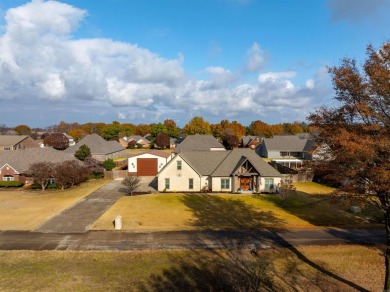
(145, 61)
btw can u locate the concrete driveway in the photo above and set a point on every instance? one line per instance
(81, 216)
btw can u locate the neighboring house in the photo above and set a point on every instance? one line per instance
(250, 141)
(100, 148)
(286, 147)
(148, 163)
(123, 141)
(199, 143)
(172, 143)
(15, 164)
(14, 142)
(72, 142)
(139, 140)
(218, 171)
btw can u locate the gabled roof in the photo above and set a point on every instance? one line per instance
(11, 140)
(134, 137)
(237, 157)
(247, 139)
(160, 153)
(21, 160)
(286, 143)
(225, 163)
(204, 162)
(97, 145)
(199, 143)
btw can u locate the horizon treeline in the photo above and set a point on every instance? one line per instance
(197, 125)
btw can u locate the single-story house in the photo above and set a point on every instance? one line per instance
(148, 163)
(199, 143)
(100, 148)
(286, 147)
(218, 171)
(15, 164)
(15, 142)
(137, 139)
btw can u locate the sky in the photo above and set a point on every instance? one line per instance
(146, 61)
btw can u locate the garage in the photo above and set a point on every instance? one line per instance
(147, 166)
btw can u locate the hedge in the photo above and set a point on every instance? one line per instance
(10, 184)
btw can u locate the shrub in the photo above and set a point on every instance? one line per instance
(10, 184)
(36, 186)
(109, 164)
(53, 186)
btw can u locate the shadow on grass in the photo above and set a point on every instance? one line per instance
(233, 263)
(214, 212)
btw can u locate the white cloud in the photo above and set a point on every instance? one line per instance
(255, 58)
(41, 61)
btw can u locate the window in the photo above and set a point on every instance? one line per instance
(225, 183)
(269, 183)
(167, 184)
(191, 183)
(178, 165)
(8, 178)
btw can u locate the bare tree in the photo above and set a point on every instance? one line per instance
(131, 184)
(286, 190)
(70, 172)
(41, 172)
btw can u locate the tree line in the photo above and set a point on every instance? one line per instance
(197, 125)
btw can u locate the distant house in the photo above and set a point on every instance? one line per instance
(286, 147)
(250, 141)
(100, 148)
(14, 142)
(15, 164)
(148, 163)
(218, 171)
(172, 143)
(72, 142)
(138, 140)
(199, 143)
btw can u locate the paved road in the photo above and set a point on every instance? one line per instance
(117, 240)
(80, 217)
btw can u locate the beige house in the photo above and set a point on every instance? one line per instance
(100, 148)
(15, 142)
(148, 163)
(238, 170)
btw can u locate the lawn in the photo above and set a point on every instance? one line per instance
(166, 212)
(315, 268)
(27, 210)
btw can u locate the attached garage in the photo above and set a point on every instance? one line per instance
(147, 166)
(148, 163)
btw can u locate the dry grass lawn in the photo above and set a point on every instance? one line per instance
(315, 268)
(163, 212)
(27, 210)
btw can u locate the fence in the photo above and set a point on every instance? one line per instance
(115, 174)
(292, 175)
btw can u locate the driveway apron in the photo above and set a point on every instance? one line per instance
(80, 217)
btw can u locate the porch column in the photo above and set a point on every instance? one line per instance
(233, 183)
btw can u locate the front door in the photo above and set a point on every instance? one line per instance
(245, 183)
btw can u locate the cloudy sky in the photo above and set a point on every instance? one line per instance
(145, 61)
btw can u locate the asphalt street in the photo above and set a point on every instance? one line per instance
(119, 240)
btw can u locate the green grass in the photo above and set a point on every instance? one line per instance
(160, 212)
(304, 269)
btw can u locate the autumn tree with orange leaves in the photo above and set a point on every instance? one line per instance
(358, 132)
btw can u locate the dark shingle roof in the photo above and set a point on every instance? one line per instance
(21, 160)
(285, 143)
(225, 163)
(198, 143)
(160, 153)
(237, 157)
(97, 145)
(204, 162)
